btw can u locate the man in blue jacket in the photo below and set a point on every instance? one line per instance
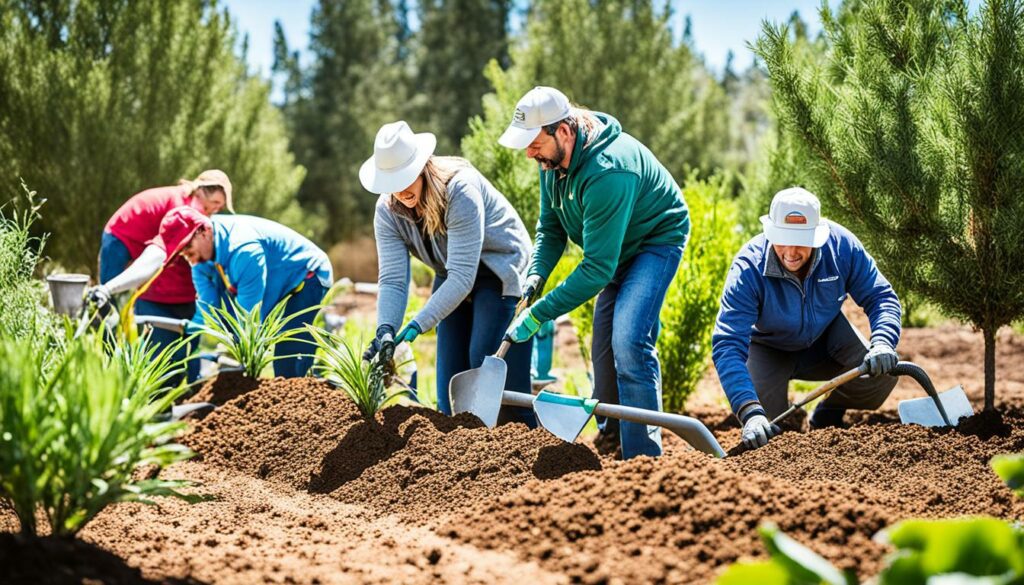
(781, 319)
(253, 260)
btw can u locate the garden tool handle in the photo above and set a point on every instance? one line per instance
(506, 343)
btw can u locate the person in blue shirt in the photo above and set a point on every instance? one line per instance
(780, 319)
(253, 260)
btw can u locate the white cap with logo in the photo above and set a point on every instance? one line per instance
(795, 219)
(538, 108)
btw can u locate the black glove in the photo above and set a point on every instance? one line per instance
(757, 429)
(383, 345)
(98, 296)
(880, 359)
(533, 286)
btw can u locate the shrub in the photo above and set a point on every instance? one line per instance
(246, 339)
(340, 362)
(21, 315)
(73, 436)
(691, 304)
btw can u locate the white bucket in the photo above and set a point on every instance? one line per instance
(67, 292)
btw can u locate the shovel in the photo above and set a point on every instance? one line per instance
(565, 416)
(480, 390)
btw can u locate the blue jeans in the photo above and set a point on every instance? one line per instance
(626, 327)
(311, 295)
(473, 331)
(162, 338)
(114, 257)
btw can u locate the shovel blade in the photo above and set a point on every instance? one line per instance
(478, 391)
(563, 416)
(180, 410)
(924, 412)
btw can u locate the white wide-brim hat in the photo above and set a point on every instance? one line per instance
(795, 220)
(398, 158)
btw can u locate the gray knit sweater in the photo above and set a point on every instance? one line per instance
(481, 227)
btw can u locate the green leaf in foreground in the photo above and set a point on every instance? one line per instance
(1010, 468)
(791, 563)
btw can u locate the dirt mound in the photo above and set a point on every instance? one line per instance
(409, 460)
(58, 561)
(933, 472)
(675, 520)
(227, 386)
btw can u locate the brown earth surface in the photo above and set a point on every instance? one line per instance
(309, 492)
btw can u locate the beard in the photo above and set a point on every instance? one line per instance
(550, 164)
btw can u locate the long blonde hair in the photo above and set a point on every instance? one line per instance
(433, 203)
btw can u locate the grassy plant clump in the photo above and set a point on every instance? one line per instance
(21, 314)
(341, 363)
(73, 432)
(246, 338)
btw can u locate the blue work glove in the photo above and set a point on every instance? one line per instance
(757, 429)
(383, 345)
(880, 359)
(532, 287)
(409, 333)
(523, 327)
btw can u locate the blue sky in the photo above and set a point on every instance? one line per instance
(718, 25)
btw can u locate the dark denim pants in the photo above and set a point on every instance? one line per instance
(626, 327)
(114, 258)
(473, 331)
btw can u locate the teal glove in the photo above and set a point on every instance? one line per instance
(409, 333)
(524, 327)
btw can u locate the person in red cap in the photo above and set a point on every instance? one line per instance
(129, 256)
(255, 261)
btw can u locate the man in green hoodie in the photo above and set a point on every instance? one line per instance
(602, 189)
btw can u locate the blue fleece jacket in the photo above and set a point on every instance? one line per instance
(262, 260)
(764, 303)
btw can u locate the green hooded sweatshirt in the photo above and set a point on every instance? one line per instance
(614, 199)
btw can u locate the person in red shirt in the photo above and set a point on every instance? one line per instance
(131, 253)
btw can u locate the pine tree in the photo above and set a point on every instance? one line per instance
(104, 98)
(912, 131)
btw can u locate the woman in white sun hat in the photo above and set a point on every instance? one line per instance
(781, 319)
(443, 211)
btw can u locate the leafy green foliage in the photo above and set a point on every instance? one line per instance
(978, 547)
(21, 315)
(691, 303)
(105, 98)
(791, 563)
(248, 339)
(340, 362)
(905, 128)
(1010, 468)
(72, 436)
(147, 367)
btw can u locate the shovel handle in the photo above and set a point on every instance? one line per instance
(824, 389)
(503, 348)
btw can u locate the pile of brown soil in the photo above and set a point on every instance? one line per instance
(409, 460)
(673, 520)
(932, 472)
(227, 386)
(59, 561)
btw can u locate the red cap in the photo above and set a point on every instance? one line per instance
(177, 229)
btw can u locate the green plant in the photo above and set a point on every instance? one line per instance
(73, 436)
(341, 363)
(146, 366)
(1010, 468)
(21, 314)
(973, 550)
(248, 339)
(790, 563)
(691, 303)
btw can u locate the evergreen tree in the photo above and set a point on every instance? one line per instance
(456, 39)
(353, 86)
(104, 98)
(912, 133)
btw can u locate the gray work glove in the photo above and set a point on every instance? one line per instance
(98, 296)
(532, 287)
(383, 345)
(757, 429)
(880, 359)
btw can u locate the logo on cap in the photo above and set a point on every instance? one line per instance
(519, 117)
(795, 217)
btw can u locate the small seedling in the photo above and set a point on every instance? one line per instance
(340, 362)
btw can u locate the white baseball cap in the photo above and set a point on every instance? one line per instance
(398, 158)
(538, 108)
(795, 219)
